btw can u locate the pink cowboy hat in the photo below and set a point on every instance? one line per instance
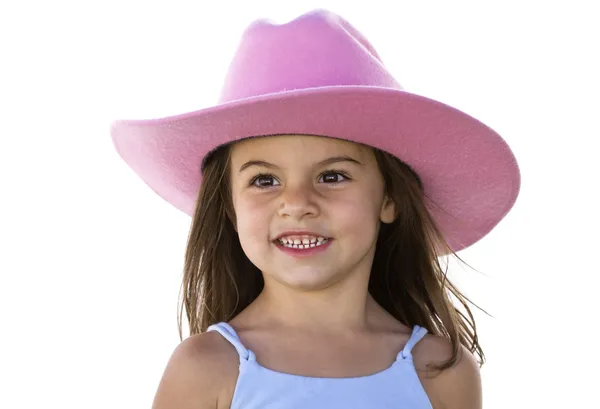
(317, 75)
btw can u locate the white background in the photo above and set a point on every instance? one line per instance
(91, 259)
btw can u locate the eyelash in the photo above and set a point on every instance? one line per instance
(328, 172)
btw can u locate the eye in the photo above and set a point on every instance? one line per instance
(333, 177)
(263, 181)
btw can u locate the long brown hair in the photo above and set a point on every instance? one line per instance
(406, 279)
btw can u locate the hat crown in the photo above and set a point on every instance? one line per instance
(317, 49)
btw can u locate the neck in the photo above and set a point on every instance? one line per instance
(338, 308)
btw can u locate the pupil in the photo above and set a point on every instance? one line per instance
(264, 180)
(331, 177)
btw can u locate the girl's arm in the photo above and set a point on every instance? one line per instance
(458, 387)
(194, 376)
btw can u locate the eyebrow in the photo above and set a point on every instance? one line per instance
(328, 161)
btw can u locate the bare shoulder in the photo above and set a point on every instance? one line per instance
(456, 387)
(200, 374)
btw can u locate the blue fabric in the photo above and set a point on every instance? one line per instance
(257, 387)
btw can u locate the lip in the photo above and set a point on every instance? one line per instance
(301, 233)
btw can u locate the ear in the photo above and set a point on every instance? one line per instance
(388, 211)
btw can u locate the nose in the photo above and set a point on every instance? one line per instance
(298, 202)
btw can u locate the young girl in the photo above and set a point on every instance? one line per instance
(323, 197)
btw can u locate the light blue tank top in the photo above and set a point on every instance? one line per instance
(257, 387)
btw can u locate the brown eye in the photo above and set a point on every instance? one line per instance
(262, 181)
(333, 177)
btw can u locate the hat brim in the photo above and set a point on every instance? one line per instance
(469, 173)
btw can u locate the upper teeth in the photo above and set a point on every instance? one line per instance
(302, 241)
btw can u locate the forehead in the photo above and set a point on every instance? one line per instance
(308, 148)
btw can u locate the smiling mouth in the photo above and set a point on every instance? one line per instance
(306, 243)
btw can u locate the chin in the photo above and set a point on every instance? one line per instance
(306, 279)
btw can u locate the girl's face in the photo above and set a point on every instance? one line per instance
(306, 188)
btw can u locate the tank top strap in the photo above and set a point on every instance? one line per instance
(230, 335)
(417, 334)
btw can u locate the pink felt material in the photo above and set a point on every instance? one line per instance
(317, 75)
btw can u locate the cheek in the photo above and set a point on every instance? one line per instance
(253, 231)
(356, 211)
(252, 221)
(357, 216)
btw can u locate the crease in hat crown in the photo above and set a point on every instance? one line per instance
(318, 49)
